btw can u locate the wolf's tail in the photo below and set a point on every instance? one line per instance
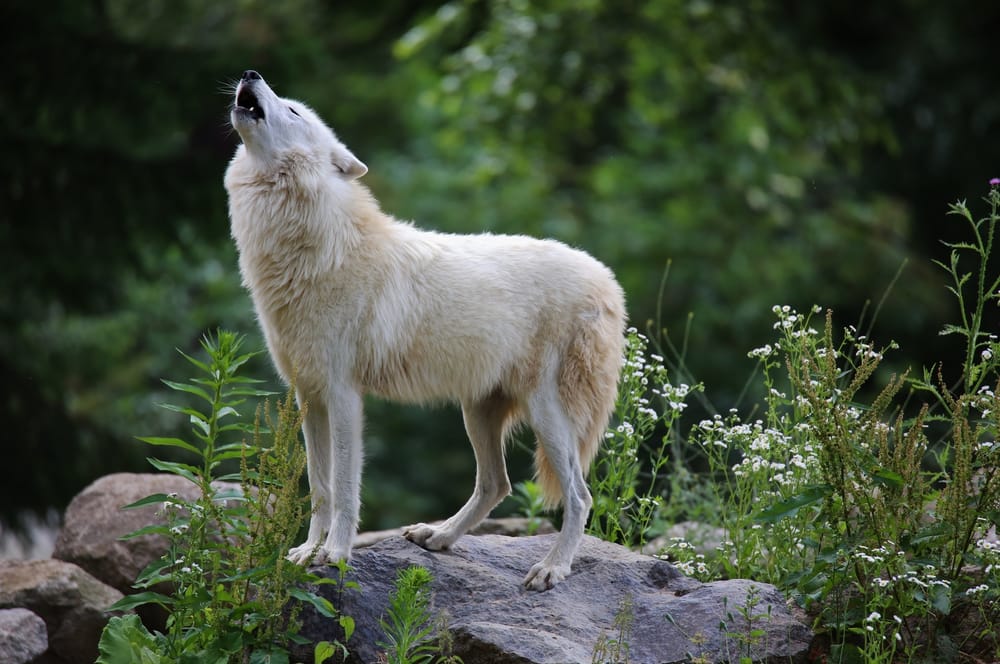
(588, 386)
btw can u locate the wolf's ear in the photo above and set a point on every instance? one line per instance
(347, 163)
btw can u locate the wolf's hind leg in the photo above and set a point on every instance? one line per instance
(486, 422)
(558, 444)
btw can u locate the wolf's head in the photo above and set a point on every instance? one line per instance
(272, 128)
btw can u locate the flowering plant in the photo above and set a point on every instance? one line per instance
(225, 567)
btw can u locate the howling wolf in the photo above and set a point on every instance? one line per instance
(353, 301)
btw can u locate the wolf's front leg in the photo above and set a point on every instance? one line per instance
(316, 430)
(346, 424)
(332, 430)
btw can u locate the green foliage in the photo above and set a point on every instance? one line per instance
(231, 585)
(749, 637)
(413, 636)
(625, 493)
(838, 497)
(127, 641)
(531, 504)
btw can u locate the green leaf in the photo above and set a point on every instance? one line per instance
(152, 573)
(888, 478)
(226, 411)
(126, 640)
(129, 602)
(789, 507)
(242, 427)
(234, 380)
(152, 499)
(201, 425)
(208, 382)
(184, 470)
(321, 604)
(953, 329)
(347, 624)
(184, 410)
(190, 389)
(169, 442)
(932, 535)
(242, 359)
(255, 572)
(201, 365)
(961, 245)
(231, 454)
(248, 392)
(325, 650)
(941, 599)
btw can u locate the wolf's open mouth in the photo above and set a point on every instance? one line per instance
(247, 101)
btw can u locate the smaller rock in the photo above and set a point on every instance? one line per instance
(705, 538)
(72, 603)
(22, 636)
(95, 522)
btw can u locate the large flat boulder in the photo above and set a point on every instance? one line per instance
(492, 618)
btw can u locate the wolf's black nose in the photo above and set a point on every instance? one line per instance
(251, 75)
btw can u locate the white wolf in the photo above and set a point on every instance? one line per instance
(352, 301)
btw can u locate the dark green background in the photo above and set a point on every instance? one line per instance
(776, 153)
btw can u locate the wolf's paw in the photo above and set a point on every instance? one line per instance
(313, 554)
(304, 554)
(544, 576)
(433, 538)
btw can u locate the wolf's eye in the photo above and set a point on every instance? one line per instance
(293, 111)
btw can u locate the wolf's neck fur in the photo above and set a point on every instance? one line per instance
(297, 222)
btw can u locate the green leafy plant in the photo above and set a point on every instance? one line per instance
(412, 635)
(616, 648)
(623, 479)
(744, 627)
(230, 584)
(529, 501)
(833, 489)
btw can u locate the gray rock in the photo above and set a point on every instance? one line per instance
(492, 618)
(95, 521)
(511, 526)
(22, 636)
(72, 603)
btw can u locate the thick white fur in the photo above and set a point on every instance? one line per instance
(352, 301)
